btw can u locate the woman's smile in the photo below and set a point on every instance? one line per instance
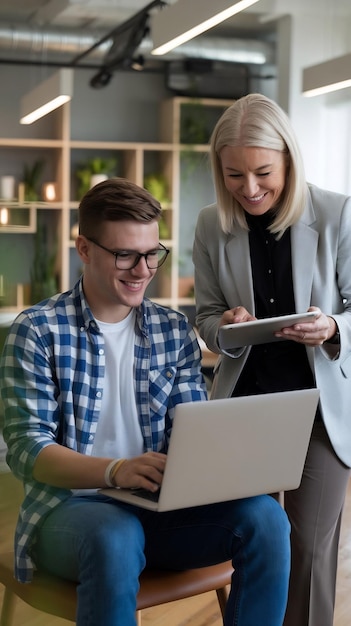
(254, 176)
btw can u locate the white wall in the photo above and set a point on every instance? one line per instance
(322, 123)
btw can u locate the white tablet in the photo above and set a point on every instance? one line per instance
(259, 331)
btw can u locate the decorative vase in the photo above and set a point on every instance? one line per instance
(7, 191)
(97, 178)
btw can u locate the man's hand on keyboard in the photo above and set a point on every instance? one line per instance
(145, 471)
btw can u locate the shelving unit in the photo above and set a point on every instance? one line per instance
(187, 123)
(62, 156)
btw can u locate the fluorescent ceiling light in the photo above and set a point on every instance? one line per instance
(326, 77)
(49, 95)
(187, 19)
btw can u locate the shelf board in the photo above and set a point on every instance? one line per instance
(120, 145)
(31, 143)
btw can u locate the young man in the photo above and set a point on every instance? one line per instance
(90, 379)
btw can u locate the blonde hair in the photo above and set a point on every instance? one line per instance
(256, 121)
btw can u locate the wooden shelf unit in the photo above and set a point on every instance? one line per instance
(63, 154)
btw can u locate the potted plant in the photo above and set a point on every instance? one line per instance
(93, 171)
(42, 275)
(157, 185)
(31, 178)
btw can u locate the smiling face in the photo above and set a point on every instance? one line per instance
(111, 292)
(254, 176)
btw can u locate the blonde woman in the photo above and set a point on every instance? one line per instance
(273, 245)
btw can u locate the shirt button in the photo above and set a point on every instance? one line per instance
(271, 300)
(101, 351)
(169, 374)
(82, 329)
(91, 437)
(98, 394)
(269, 271)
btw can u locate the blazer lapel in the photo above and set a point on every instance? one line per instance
(239, 266)
(304, 242)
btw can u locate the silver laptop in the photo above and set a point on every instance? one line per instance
(232, 448)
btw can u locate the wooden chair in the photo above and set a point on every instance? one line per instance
(56, 596)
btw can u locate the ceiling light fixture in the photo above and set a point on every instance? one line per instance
(49, 95)
(187, 19)
(326, 77)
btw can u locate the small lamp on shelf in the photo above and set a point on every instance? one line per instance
(4, 216)
(49, 192)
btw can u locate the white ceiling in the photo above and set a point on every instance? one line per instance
(26, 26)
(106, 13)
(69, 13)
(45, 31)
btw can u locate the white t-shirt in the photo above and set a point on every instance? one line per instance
(118, 432)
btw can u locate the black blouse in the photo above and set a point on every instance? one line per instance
(281, 365)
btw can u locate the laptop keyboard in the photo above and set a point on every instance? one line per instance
(153, 496)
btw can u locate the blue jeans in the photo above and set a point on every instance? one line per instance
(105, 545)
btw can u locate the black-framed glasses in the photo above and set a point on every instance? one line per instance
(127, 259)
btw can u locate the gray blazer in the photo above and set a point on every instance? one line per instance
(321, 267)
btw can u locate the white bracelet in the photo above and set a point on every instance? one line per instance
(108, 469)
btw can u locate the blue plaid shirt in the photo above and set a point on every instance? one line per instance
(52, 379)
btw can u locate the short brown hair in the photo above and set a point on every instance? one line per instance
(116, 199)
